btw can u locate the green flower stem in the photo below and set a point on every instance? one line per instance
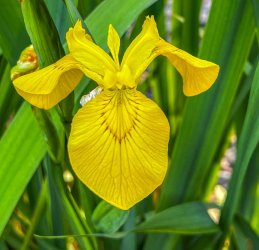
(50, 132)
(48, 47)
(39, 210)
(70, 209)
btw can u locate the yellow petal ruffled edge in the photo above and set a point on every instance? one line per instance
(198, 75)
(46, 87)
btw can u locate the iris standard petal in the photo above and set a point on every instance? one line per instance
(118, 146)
(114, 44)
(95, 61)
(137, 55)
(198, 75)
(46, 87)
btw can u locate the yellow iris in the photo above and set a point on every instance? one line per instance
(119, 139)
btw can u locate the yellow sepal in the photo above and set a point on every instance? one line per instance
(118, 146)
(46, 87)
(198, 75)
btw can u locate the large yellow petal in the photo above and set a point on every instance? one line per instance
(118, 146)
(46, 87)
(198, 75)
(95, 61)
(137, 55)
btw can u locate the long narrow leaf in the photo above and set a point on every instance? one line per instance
(21, 150)
(247, 143)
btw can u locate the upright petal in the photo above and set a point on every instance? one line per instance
(114, 44)
(46, 87)
(137, 56)
(118, 146)
(198, 75)
(95, 61)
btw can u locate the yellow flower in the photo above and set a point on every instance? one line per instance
(119, 139)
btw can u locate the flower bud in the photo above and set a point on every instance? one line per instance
(27, 63)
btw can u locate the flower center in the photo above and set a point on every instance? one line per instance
(119, 80)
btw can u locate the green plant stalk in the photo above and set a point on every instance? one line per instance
(46, 42)
(39, 210)
(70, 209)
(51, 136)
(42, 32)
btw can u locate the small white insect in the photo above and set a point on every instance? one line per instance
(86, 98)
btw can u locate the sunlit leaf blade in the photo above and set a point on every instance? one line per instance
(188, 218)
(21, 150)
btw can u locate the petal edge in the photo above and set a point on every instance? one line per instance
(46, 87)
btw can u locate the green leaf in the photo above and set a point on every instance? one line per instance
(102, 16)
(107, 218)
(247, 143)
(188, 218)
(13, 36)
(37, 214)
(65, 208)
(245, 236)
(9, 99)
(42, 32)
(21, 150)
(60, 16)
(74, 13)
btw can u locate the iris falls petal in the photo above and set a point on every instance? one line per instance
(118, 146)
(198, 75)
(48, 86)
